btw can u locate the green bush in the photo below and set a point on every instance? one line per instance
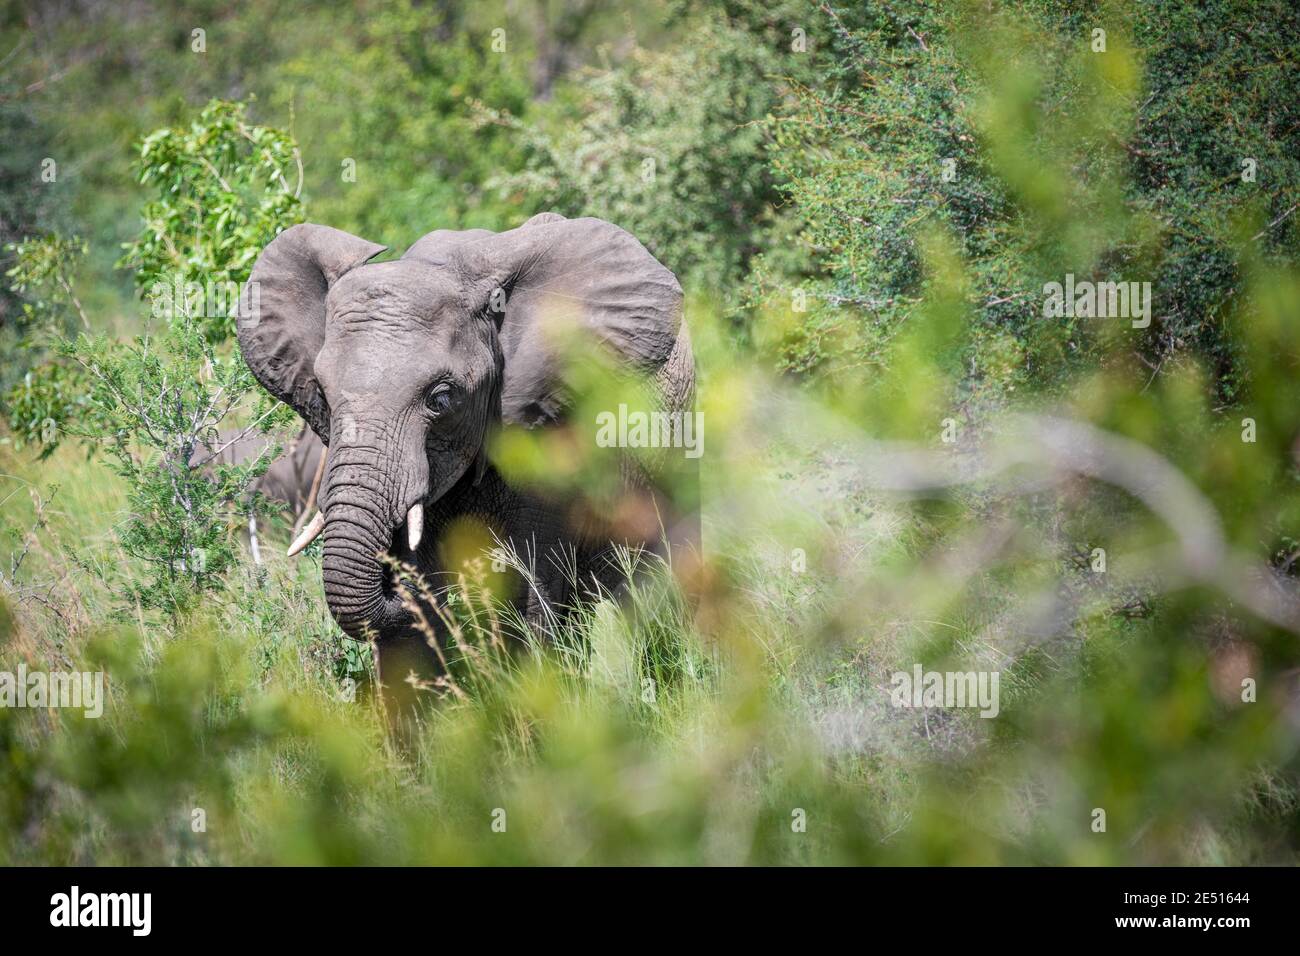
(224, 188)
(29, 207)
(51, 394)
(1039, 156)
(669, 145)
(153, 406)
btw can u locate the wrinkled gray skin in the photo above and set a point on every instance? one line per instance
(361, 349)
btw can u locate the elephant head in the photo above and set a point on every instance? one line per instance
(403, 367)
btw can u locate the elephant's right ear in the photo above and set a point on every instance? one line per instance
(281, 320)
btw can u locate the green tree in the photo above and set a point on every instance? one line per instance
(224, 188)
(39, 406)
(670, 144)
(1042, 147)
(32, 203)
(153, 405)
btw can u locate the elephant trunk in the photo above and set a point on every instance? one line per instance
(356, 582)
(363, 508)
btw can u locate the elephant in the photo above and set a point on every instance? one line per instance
(289, 479)
(292, 479)
(407, 368)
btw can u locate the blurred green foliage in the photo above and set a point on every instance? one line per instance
(27, 212)
(403, 155)
(42, 273)
(50, 394)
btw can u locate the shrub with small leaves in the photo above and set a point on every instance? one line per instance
(668, 145)
(1039, 147)
(40, 405)
(153, 405)
(157, 404)
(225, 188)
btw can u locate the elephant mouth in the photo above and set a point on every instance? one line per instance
(369, 586)
(398, 553)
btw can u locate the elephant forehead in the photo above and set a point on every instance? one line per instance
(393, 291)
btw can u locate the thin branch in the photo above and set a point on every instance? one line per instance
(1284, 215)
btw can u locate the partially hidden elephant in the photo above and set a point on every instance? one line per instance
(292, 479)
(407, 368)
(288, 480)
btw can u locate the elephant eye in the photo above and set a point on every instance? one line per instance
(440, 400)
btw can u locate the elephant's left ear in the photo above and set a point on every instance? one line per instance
(552, 269)
(281, 319)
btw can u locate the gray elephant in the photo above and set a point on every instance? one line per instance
(407, 368)
(288, 480)
(293, 479)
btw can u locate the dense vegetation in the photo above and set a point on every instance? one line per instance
(909, 460)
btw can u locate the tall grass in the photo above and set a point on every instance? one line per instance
(754, 726)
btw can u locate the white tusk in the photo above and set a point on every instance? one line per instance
(252, 538)
(309, 533)
(414, 525)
